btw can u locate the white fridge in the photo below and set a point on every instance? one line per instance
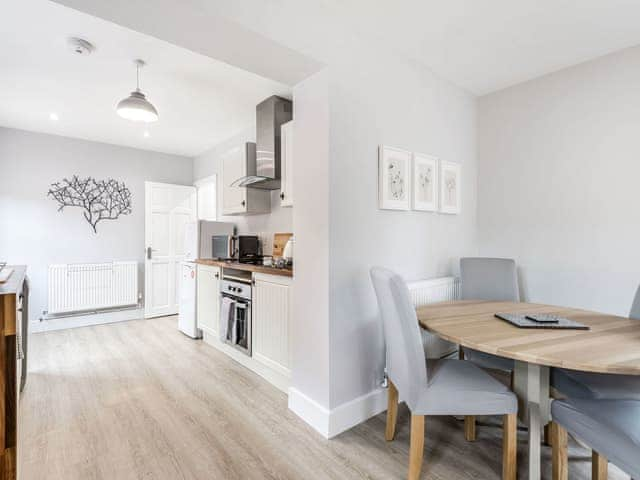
(197, 244)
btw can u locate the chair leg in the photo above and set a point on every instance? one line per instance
(509, 447)
(599, 466)
(416, 449)
(460, 352)
(392, 412)
(547, 435)
(559, 456)
(470, 428)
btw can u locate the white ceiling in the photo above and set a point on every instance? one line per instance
(200, 101)
(487, 45)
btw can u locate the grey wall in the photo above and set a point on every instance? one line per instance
(36, 234)
(558, 183)
(377, 98)
(210, 163)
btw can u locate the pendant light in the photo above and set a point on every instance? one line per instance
(136, 107)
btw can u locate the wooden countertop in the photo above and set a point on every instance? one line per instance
(14, 282)
(247, 267)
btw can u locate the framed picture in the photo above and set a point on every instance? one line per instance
(450, 187)
(425, 183)
(393, 178)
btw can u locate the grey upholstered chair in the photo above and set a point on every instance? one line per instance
(434, 387)
(487, 279)
(576, 384)
(610, 427)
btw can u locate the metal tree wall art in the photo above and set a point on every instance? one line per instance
(100, 199)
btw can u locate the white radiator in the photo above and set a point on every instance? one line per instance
(92, 286)
(424, 292)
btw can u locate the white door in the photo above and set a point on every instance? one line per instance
(234, 199)
(168, 208)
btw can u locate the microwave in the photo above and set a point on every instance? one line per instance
(223, 246)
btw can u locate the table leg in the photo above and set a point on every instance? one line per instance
(531, 385)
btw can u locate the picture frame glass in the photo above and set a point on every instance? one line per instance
(394, 184)
(425, 182)
(450, 187)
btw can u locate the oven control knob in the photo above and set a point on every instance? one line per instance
(239, 290)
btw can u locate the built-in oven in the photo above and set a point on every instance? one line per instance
(235, 311)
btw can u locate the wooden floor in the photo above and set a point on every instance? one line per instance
(139, 400)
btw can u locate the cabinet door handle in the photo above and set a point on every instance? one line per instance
(217, 275)
(244, 203)
(282, 196)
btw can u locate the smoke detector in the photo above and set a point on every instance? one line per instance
(80, 46)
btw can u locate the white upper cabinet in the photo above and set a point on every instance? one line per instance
(234, 199)
(240, 200)
(286, 164)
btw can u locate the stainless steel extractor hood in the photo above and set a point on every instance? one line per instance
(265, 172)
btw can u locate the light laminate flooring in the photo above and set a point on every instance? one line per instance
(139, 400)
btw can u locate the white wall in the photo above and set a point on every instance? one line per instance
(310, 329)
(209, 163)
(36, 234)
(376, 99)
(558, 184)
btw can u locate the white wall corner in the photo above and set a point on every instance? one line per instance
(330, 423)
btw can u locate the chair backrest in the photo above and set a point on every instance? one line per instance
(406, 365)
(489, 279)
(635, 306)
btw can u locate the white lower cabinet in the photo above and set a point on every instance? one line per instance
(271, 321)
(208, 299)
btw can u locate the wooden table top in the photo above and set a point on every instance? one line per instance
(612, 345)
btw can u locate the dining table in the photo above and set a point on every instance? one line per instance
(610, 345)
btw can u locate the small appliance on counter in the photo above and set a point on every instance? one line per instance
(282, 249)
(249, 249)
(288, 251)
(198, 243)
(223, 247)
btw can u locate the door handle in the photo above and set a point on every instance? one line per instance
(149, 252)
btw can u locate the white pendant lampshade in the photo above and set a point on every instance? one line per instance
(136, 107)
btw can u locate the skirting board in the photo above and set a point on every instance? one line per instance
(330, 423)
(86, 320)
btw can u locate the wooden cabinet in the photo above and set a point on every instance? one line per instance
(271, 322)
(13, 296)
(241, 200)
(286, 164)
(208, 299)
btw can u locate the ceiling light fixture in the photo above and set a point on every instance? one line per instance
(146, 134)
(54, 117)
(136, 107)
